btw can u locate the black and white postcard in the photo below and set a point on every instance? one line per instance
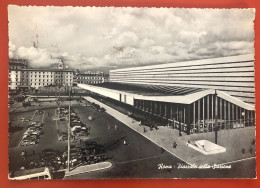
(120, 92)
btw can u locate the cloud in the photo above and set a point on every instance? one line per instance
(108, 37)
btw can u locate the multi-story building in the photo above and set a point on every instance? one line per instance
(91, 78)
(22, 77)
(192, 96)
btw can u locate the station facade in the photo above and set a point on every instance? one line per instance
(192, 96)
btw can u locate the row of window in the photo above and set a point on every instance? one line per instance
(95, 78)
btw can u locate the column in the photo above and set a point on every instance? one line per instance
(188, 118)
(203, 113)
(233, 113)
(166, 110)
(248, 112)
(244, 110)
(155, 108)
(152, 107)
(198, 115)
(216, 106)
(171, 111)
(236, 113)
(208, 109)
(160, 112)
(229, 114)
(225, 113)
(194, 114)
(198, 110)
(252, 118)
(212, 107)
(240, 114)
(220, 109)
(178, 113)
(184, 116)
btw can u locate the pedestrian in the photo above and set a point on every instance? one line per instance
(23, 155)
(34, 152)
(251, 150)
(253, 142)
(125, 144)
(243, 151)
(115, 126)
(140, 123)
(162, 150)
(174, 144)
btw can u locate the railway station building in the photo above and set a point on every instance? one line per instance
(192, 96)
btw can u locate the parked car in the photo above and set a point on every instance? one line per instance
(101, 109)
(25, 120)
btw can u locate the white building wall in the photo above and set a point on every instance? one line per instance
(233, 75)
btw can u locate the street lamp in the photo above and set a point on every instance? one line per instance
(216, 129)
(69, 137)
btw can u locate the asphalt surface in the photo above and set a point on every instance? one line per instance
(140, 158)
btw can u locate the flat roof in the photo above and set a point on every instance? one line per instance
(44, 70)
(150, 90)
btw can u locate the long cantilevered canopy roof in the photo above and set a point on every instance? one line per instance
(150, 90)
(172, 94)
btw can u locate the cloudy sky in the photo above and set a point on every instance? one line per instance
(90, 38)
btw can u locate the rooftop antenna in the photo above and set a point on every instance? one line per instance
(36, 38)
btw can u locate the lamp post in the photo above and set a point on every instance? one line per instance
(216, 129)
(69, 137)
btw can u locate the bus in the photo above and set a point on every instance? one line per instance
(31, 174)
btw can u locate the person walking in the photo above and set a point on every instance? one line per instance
(174, 145)
(251, 150)
(34, 152)
(23, 155)
(125, 143)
